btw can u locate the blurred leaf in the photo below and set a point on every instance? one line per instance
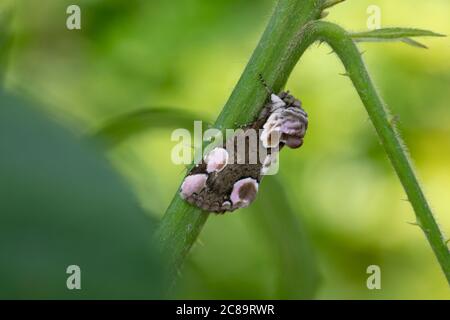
(394, 34)
(127, 125)
(124, 126)
(298, 272)
(6, 38)
(62, 204)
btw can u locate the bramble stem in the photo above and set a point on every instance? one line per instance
(340, 41)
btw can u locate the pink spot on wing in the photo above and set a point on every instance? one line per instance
(216, 160)
(193, 184)
(244, 192)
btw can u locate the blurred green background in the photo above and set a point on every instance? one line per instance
(189, 54)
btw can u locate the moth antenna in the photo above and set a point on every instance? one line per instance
(264, 83)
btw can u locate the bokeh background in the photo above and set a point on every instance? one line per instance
(188, 54)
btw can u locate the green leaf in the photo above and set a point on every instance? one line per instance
(62, 204)
(298, 276)
(129, 124)
(394, 34)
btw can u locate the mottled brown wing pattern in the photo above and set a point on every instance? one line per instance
(229, 175)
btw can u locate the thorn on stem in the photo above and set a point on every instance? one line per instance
(324, 14)
(416, 224)
(200, 242)
(331, 3)
(264, 83)
(394, 120)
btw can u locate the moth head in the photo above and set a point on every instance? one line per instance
(292, 142)
(287, 125)
(293, 126)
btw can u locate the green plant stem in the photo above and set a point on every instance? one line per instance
(291, 30)
(345, 48)
(274, 58)
(286, 235)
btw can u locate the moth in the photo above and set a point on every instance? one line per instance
(229, 175)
